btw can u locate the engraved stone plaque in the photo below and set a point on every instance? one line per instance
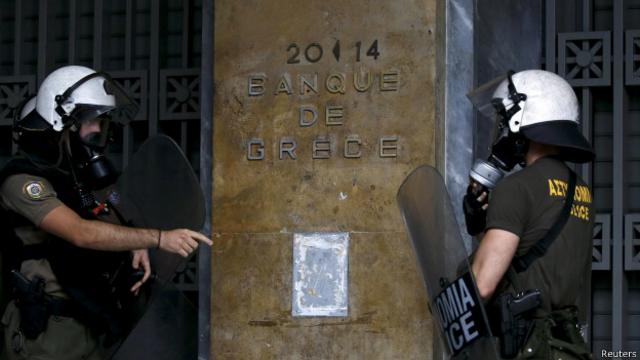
(321, 109)
(320, 274)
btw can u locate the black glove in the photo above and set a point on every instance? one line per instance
(475, 204)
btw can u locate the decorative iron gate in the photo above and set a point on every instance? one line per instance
(595, 45)
(152, 48)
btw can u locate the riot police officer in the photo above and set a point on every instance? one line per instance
(537, 236)
(65, 238)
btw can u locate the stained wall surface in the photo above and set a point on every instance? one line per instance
(321, 108)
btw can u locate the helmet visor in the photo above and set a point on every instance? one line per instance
(126, 108)
(490, 112)
(484, 100)
(121, 108)
(87, 112)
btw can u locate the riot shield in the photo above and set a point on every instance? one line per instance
(160, 182)
(167, 331)
(159, 190)
(451, 290)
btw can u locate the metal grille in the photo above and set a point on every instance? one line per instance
(597, 43)
(632, 60)
(584, 59)
(602, 242)
(152, 48)
(632, 242)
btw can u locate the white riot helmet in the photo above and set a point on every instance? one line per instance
(22, 116)
(547, 114)
(24, 109)
(68, 99)
(28, 107)
(72, 94)
(33, 134)
(532, 105)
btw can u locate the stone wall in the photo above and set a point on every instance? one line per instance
(321, 108)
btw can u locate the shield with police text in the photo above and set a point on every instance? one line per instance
(159, 190)
(453, 297)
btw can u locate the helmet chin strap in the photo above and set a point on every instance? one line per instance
(522, 146)
(512, 148)
(513, 115)
(514, 96)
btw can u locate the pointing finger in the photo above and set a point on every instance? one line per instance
(201, 238)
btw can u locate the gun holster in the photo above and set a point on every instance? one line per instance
(31, 301)
(515, 314)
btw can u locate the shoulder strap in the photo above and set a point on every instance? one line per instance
(523, 262)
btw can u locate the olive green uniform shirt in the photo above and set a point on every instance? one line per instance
(65, 338)
(527, 203)
(32, 197)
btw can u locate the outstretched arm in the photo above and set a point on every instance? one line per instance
(92, 234)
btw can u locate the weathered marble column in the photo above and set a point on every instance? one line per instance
(322, 107)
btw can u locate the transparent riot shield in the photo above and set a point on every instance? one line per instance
(160, 190)
(452, 293)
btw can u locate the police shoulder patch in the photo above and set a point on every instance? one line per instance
(34, 190)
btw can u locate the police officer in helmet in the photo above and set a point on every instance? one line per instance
(536, 238)
(66, 242)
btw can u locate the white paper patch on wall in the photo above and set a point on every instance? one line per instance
(320, 274)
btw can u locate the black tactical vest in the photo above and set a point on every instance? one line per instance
(87, 276)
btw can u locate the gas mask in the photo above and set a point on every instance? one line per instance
(88, 109)
(508, 148)
(86, 153)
